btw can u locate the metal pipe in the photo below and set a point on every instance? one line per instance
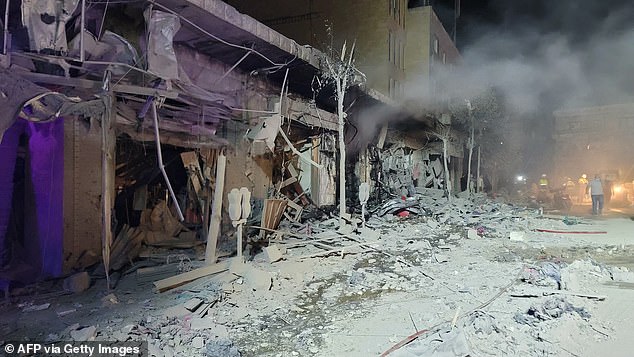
(82, 56)
(159, 153)
(232, 67)
(253, 110)
(6, 28)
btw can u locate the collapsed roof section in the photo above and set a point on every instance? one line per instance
(21, 98)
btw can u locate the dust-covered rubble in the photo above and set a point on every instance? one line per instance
(475, 273)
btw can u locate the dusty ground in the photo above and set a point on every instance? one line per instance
(502, 293)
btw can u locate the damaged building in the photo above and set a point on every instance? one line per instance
(401, 47)
(116, 136)
(181, 108)
(171, 172)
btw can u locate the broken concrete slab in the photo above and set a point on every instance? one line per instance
(77, 283)
(193, 304)
(238, 267)
(472, 234)
(272, 253)
(108, 300)
(210, 327)
(32, 308)
(85, 334)
(176, 311)
(345, 229)
(432, 223)
(198, 342)
(441, 258)
(258, 280)
(369, 234)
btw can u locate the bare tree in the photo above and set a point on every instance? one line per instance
(481, 113)
(341, 72)
(443, 132)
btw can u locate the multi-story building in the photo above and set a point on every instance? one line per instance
(594, 140)
(429, 50)
(394, 43)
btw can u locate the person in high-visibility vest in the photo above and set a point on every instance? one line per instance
(543, 182)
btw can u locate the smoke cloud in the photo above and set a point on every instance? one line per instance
(541, 56)
(548, 55)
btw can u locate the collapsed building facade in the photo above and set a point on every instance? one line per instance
(401, 47)
(131, 127)
(159, 123)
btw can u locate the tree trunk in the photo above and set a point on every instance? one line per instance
(447, 180)
(471, 142)
(342, 152)
(478, 189)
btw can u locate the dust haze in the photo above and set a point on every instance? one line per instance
(542, 56)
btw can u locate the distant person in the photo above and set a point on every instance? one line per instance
(608, 190)
(595, 188)
(583, 183)
(569, 184)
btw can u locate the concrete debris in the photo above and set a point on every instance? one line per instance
(417, 272)
(32, 308)
(198, 342)
(552, 270)
(258, 280)
(483, 324)
(221, 348)
(516, 236)
(446, 343)
(193, 304)
(84, 334)
(65, 312)
(110, 299)
(272, 253)
(441, 258)
(77, 283)
(622, 275)
(550, 309)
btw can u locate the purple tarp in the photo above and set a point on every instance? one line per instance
(43, 231)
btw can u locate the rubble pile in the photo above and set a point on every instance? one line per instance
(467, 277)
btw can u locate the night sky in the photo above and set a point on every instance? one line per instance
(575, 19)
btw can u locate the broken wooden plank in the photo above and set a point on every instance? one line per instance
(572, 293)
(97, 85)
(156, 272)
(216, 210)
(298, 210)
(341, 250)
(272, 212)
(178, 280)
(530, 294)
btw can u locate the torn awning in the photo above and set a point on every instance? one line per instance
(23, 99)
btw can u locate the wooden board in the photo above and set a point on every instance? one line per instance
(178, 280)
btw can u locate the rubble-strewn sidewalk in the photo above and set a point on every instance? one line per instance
(459, 278)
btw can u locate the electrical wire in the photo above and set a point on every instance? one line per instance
(281, 65)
